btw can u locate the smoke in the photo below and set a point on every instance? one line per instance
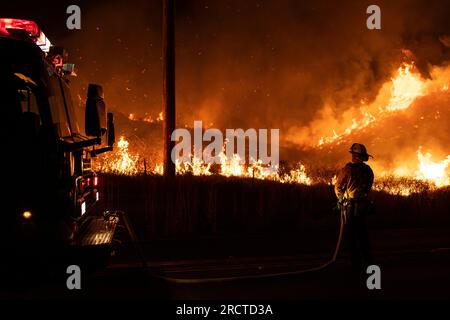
(303, 67)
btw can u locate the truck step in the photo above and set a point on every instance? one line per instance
(99, 232)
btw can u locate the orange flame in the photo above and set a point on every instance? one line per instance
(429, 174)
(435, 172)
(424, 173)
(147, 118)
(121, 161)
(405, 88)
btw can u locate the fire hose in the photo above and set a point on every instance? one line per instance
(139, 251)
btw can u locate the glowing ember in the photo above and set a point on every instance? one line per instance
(334, 180)
(147, 118)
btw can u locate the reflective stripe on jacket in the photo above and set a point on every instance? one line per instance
(354, 181)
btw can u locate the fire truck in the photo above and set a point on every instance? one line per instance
(51, 193)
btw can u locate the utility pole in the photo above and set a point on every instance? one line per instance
(168, 98)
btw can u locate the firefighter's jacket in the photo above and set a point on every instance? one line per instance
(354, 181)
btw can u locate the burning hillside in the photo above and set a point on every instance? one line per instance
(404, 89)
(122, 161)
(315, 72)
(404, 127)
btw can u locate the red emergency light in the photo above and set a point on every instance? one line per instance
(31, 27)
(18, 24)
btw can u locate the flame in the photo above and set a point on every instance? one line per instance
(405, 88)
(159, 118)
(333, 180)
(298, 176)
(159, 169)
(435, 172)
(428, 175)
(197, 167)
(401, 186)
(120, 161)
(232, 167)
(366, 119)
(415, 176)
(147, 118)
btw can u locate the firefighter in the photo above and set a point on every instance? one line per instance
(352, 188)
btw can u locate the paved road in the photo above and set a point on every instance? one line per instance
(416, 265)
(405, 275)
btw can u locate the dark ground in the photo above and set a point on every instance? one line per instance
(414, 264)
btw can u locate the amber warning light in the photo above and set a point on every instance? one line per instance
(27, 214)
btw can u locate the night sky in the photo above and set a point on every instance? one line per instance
(263, 64)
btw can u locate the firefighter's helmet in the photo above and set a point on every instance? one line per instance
(360, 150)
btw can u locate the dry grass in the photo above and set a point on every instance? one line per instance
(214, 205)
